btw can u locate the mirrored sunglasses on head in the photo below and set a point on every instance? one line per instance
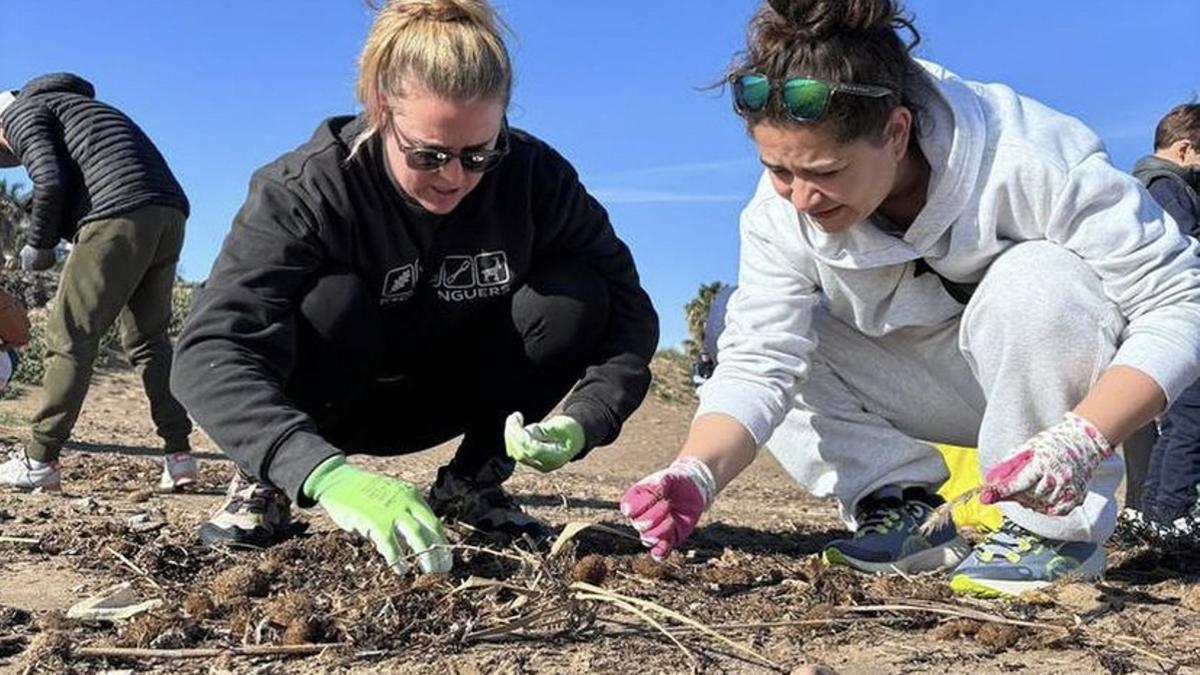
(805, 98)
(432, 158)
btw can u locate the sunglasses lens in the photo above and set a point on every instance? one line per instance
(478, 162)
(751, 92)
(805, 99)
(426, 159)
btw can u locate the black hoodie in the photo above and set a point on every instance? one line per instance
(87, 160)
(1176, 188)
(318, 209)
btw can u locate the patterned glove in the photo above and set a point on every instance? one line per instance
(665, 506)
(1049, 472)
(545, 446)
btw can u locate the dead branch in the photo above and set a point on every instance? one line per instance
(247, 650)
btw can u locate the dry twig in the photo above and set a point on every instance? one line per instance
(948, 610)
(248, 650)
(943, 514)
(610, 596)
(129, 563)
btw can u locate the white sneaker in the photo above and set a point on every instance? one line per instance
(29, 474)
(179, 470)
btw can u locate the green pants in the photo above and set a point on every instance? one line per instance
(120, 268)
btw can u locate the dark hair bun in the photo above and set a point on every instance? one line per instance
(818, 19)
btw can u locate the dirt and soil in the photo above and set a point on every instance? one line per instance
(749, 578)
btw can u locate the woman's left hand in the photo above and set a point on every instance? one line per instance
(545, 446)
(1049, 473)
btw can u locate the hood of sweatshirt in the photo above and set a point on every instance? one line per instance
(1150, 167)
(68, 83)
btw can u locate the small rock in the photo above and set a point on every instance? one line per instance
(85, 505)
(5, 515)
(142, 522)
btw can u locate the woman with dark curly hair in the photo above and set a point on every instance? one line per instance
(930, 260)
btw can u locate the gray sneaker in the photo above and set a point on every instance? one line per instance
(481, 503)
(889, 538)
(253, 515)
(1013, 560)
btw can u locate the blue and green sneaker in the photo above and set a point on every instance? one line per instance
(889, 538)
(1013, 560)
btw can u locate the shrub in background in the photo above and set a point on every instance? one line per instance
(37, 290)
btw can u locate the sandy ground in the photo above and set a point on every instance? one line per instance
(750, 575)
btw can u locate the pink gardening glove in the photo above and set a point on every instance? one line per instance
(665, 505)
(1049, 472)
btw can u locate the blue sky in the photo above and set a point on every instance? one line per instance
(224, 87)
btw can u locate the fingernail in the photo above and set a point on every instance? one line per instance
(625, 510)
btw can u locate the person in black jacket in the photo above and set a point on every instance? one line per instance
(1171, 491)
(99, 183)
(408, 275)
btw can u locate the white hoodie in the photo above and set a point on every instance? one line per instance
(1005, 169)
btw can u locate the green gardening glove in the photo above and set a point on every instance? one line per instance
(546, 445)
(388, 511)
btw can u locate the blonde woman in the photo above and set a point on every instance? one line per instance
(408, 275)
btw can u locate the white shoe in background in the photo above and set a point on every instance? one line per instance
(29, 474)
(179, 470)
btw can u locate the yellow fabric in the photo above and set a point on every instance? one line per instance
(963, 464)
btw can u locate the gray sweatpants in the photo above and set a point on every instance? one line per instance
(1034, 337)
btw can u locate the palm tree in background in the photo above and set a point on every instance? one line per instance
(13, 221)
(696, 313)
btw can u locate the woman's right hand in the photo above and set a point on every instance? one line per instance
(388, 511)
(665, 506)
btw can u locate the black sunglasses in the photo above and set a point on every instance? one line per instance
(806, 98)
(432, 157)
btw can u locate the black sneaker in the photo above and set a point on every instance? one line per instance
(481, 503)
(253, 514)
